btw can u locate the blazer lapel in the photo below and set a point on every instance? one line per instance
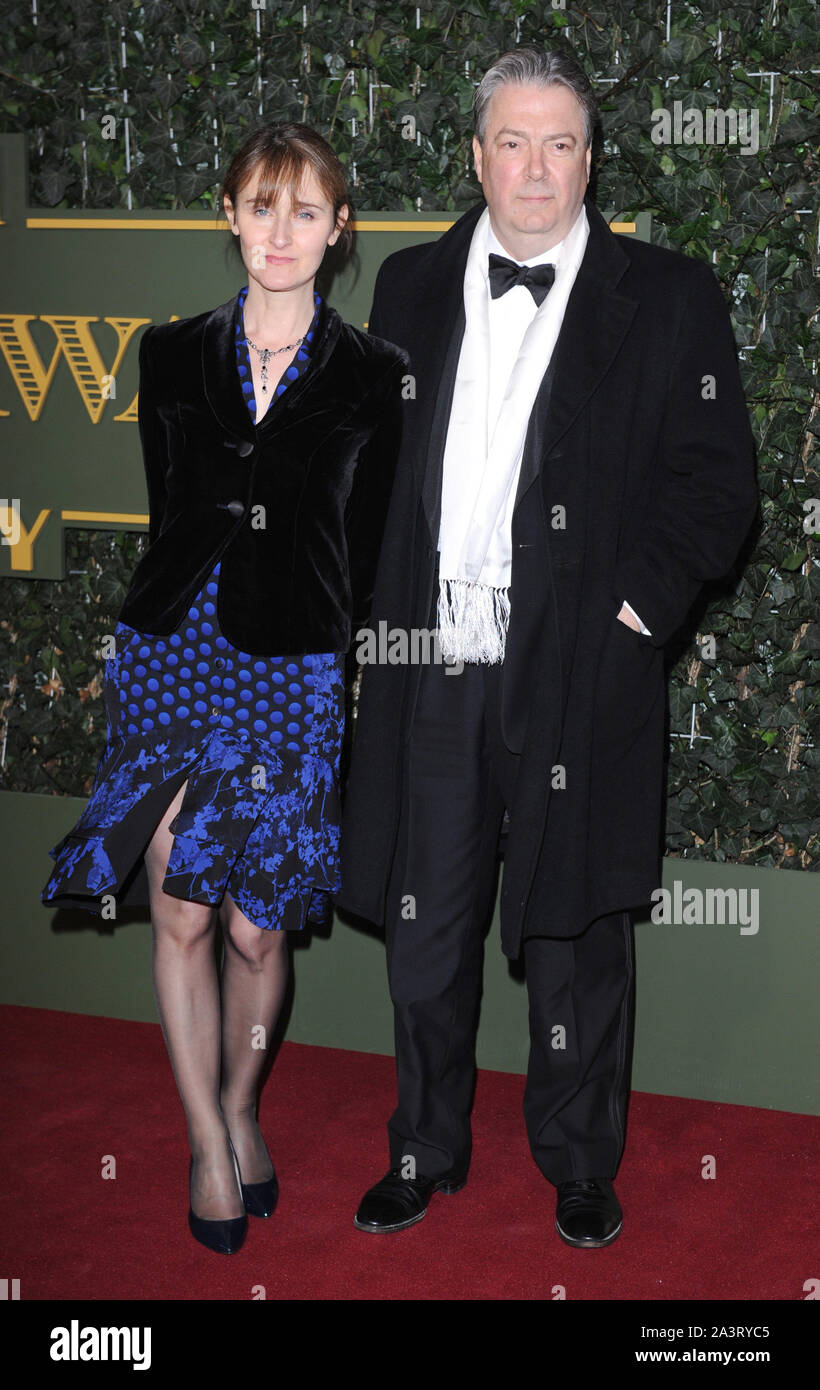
(595, 324)
(221, 378)
(533, 443)
(434, 455)
(436, 327)
(219, 374)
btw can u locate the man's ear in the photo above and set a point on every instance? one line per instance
(477, 157)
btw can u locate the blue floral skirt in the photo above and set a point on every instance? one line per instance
(258, 740)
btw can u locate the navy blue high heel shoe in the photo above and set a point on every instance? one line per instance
(260, 1198)
(223, 1236)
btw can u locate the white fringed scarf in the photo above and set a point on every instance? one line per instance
(480, 475)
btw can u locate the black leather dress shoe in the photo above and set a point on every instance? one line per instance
(260, 1198)
(588, 1214)
(396, 1202)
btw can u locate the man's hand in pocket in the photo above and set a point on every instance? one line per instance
(626, 617)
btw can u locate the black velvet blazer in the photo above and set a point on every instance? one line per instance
(293, 507)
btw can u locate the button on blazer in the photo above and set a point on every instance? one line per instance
(293, 508)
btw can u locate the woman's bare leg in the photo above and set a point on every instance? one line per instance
(254, 978)
(186, 987)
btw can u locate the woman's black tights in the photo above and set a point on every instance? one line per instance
(217, 1038)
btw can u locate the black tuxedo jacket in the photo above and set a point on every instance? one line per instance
(293, 507)
(637, 483)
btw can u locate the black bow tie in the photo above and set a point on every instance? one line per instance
(504, 274)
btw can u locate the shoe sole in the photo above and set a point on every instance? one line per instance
(219, 1249)
(588, 1244)
(386, 1230)
(448, 1189)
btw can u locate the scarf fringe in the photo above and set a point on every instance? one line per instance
(472, 621)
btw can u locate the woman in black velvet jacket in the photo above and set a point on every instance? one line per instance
(269, 430)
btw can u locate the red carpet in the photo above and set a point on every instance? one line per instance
(80, 1088)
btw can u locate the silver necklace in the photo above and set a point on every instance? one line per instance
(265, 354)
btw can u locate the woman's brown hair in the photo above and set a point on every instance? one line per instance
(281, 153)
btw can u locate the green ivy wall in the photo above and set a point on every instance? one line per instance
(183, 81)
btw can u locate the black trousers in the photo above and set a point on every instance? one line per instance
(458, 777)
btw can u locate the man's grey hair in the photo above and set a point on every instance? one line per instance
(538, 68)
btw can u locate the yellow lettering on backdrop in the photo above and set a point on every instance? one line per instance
(21, 543)
(75, 342)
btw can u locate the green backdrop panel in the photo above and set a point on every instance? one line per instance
(723, 1014)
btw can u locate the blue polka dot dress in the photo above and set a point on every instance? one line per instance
(258, 740)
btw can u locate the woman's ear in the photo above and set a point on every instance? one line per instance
(229, 213)
(341, 222)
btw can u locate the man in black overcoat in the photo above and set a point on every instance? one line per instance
(634, 484)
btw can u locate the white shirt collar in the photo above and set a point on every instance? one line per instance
(551, 257)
